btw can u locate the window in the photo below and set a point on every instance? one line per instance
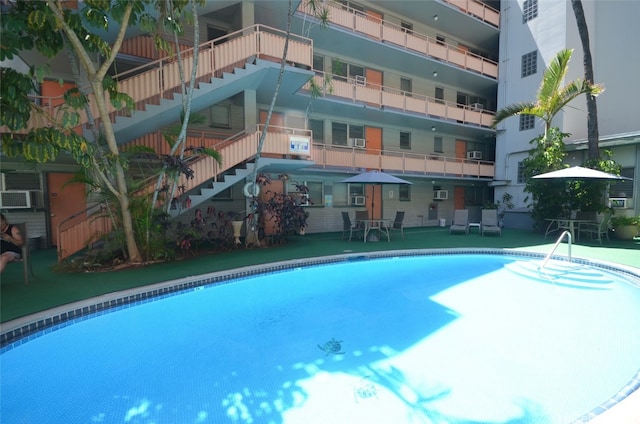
(341, 133)
(439, 95)
(356, 195)
(520, 179)
(527, 122)
(317, 128)
(404, 192)
(529, 10)
(221, 116)
(437, 145)
(529, 63)
(405, 140)
(339, 69)
(316, 191)
(405, 86)
(623, 188)
(318, 63)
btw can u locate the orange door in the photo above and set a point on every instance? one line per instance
(63, 201)
(458, 197)
(277, 120)
(53, 92)
(373, 136)
(461, 149)
(374, 78)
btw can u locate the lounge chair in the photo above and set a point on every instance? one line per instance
(460, 222)
(397, 224)
(349, 226)
(489, 222)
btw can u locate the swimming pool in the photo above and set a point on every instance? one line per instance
(392, 339)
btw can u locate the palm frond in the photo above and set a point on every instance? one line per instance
(523, 108)
(554, 76)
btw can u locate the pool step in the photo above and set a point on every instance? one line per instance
(561, 273)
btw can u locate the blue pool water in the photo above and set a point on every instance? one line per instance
(423, 339)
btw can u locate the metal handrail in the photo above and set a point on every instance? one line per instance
(555, 246)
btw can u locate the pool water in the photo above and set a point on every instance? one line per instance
(423, 339)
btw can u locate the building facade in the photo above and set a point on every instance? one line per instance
(409, 88)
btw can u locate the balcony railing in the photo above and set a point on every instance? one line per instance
(392, 98)
(389, 32)
(478, 9)
(349, 158)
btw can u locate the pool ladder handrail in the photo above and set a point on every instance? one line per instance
(555, 246)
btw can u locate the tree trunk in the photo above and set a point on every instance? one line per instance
(592, 111)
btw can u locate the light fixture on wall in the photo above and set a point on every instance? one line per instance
(433, 128)
(435, 17)
(435, 74)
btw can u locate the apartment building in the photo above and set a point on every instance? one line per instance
(532, 32)
(409, 88)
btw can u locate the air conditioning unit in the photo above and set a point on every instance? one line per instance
(361, 80)
(618, 202)
(477, 106)
(360, 143)
(15, 199)
(440, 195)
(358, 200)
(474, 155)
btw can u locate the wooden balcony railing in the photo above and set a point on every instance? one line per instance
(478, 9)
(331, 156)
(389, 32)
(392, 98)
(143, 46)
(151, 82)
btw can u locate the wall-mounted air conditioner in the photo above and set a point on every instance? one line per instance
(361, 80)
(358, 200)
(477, 106)
(440, 195)
(15, 199)
(359, 143)
(618, 202)
(474, 155)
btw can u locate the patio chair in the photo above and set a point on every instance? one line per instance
(460, 221)
(489, 222)
(349, 226)
(596, 229)
(397, 224)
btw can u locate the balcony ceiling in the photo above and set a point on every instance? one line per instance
(359, 112)
(450, 20)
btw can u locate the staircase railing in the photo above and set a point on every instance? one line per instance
(151, 82)
(555, 246)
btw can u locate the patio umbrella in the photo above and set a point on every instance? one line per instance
(580, 173)
(374, 178)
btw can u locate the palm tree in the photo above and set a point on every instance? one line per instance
(592, 110)
(551, 97)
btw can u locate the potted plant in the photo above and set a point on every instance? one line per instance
(237, 219)
(625, 227)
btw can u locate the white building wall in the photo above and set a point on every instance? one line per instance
(616, 61)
